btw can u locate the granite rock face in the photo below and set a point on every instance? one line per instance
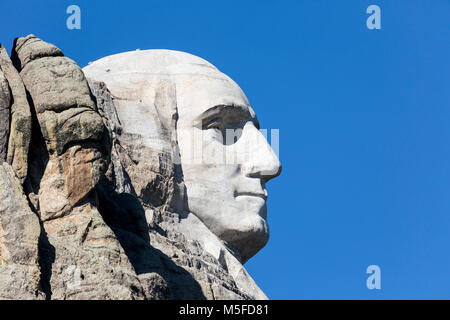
(81, 256)
(20, 118)
(93, 199)
(5, 99)
(19, 240)
(180, 109)
(154, 235)
(69, 124)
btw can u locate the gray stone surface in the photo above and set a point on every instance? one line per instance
(81, 256)
(215, 216)
(60, 95)
(113, 211)
(172, 103)
(5, 100)
(20, 118)
(19, 237)
(148, 231)
(32, 48)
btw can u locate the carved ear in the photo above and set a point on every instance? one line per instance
(166, 103)
(167, 108)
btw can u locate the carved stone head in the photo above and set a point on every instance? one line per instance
(202, 123)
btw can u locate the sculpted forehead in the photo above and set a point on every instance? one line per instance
(196, 94)
(139, 65)
(199, 85)
(149, 61)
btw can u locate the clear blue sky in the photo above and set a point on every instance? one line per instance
(364, 119)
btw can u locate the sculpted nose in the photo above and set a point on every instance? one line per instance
(261, 160)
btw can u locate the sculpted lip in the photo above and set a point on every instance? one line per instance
(253, 194)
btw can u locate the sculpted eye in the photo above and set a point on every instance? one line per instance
(215, 124)
(227, 124)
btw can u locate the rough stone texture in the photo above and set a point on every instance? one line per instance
(141, 193)
(19, 237)
(60, 93)
(107, 214)
(178, 108)
(81, 257)
(5, 99)
(71, 128)
(88, 261)
(32, 48)
(20, 116)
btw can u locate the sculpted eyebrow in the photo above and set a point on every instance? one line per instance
(224, 111)
(212, 113)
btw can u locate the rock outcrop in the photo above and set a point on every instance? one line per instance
(5, 99)
(20, 118)
(142, 192)
(19, 239)
(81, 256)
(91, 208)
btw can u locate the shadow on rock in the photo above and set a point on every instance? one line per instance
(125, 215)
